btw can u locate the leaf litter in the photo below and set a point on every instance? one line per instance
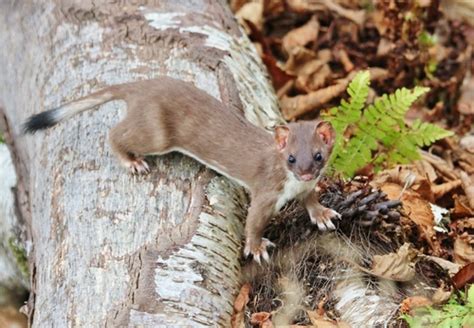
(413, 224)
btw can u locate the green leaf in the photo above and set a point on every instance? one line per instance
(378, 133)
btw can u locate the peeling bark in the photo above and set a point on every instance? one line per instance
(110, 249)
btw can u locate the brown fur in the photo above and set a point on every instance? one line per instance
(165, 115)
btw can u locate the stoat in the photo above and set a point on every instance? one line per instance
(166, 115)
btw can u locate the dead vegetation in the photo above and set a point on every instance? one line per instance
(407, 231)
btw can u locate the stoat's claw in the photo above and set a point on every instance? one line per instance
(323, 218)
(258, 250)
(138, 166)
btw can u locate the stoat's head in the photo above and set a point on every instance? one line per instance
(305, 147)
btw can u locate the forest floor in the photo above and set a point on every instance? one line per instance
(419, 213)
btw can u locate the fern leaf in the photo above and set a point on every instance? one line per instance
(424, 134)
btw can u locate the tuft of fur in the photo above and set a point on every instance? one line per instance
(51, 117)
(41, 121)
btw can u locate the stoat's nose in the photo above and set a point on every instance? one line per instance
(306, 177)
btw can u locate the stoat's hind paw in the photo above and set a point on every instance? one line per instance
(258, 250)
(138, 166)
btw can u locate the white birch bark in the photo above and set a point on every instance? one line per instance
(110, 249)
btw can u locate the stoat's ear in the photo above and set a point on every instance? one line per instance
(281, 136)
(326, 132)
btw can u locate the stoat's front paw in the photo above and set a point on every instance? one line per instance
(323, 216)
(138, 166)
(258, 249)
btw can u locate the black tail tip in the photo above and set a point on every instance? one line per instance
(40, 121)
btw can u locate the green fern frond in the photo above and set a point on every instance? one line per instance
(424, 134)
(379, 134)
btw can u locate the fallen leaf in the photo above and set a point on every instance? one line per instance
(305, 61)
(442, 189)
(426, 170)
(411, 303)
(321, 321)
(293, 107)
(357, 16)
(463, 251)
(314, 80)
(416, 208)
(273, 7)
(441, 295)
(396, 266)
(253, 12)
(460, 9)
(237, 320)
(461, 207)
(304, 6)
(385, 47)
(468, 186)
(343, 57)
(440, 165)
(279, 77)
(463, 225)
(466, 101)
(299, 37)
(449, 266)
(235, 5)
(467, 143)
(262, 319)
(464, 276)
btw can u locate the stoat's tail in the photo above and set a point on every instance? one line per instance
(51, 117)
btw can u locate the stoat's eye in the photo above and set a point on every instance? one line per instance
(318, 157)
(291, 159)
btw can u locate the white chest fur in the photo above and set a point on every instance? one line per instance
(292, 189)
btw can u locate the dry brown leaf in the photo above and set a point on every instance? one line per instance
(285, 89)
(468, 186)
(279, 77)
(442, 189)
(262, 319)
(411, 303)
(459, 9)
(467, 143)
(313, 81)
(396, 266)
(305, 61)
(450, 267)
(320, 321)
(464, 276)
(253, 12)
(409, 175)
(385, 47)
(441, 295)
(304, 6)
(426, 170)
(418, 210)
(292, 107)
(440, 165)
(235, 5)
(343, 57)
(463, 251)
(273, 7)
(461, 207)
(466, 224)
(237, 320)
(357, 16)
(299, 37)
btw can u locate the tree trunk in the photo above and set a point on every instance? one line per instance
(110, 249)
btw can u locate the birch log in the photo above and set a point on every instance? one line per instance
(110, 249)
